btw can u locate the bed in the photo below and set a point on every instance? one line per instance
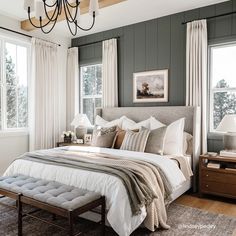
(119, 214)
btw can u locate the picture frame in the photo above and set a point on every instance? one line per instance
(150, 86)
(87, 138)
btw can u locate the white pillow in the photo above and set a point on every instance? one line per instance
(128, 124)
(173, 144)
(155, 124)
(99, 121)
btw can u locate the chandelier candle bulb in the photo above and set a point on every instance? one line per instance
(39, 10)
(29, 4)
(94, 7)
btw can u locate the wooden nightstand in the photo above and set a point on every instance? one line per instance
(63, 144)
(220, 181)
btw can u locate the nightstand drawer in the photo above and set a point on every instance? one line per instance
(219, 177)
(218, 188)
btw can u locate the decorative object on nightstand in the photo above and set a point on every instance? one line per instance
(87, 138)
(228, 126)
(68, 135)
(79, 141)
(81, 123)
(217, 176)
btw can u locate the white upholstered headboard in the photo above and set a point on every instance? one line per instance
(166, 115)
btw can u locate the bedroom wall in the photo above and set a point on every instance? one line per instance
(160, 44)
(13, 144)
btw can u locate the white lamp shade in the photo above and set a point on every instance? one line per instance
(228, 124)
(94, 6)
(39, 10)
(81, 120)
(29, 3)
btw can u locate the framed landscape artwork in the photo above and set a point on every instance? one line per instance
(151, 86)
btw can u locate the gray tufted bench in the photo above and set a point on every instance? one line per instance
(56, 198)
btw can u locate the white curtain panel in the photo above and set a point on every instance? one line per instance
(44, 104)
(109, 73)
(196, 72)
(72, 86)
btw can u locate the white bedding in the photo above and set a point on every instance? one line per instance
(119, 212)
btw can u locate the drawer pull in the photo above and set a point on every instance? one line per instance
(207, 175)
(207, 185)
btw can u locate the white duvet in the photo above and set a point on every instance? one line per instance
(119, 212)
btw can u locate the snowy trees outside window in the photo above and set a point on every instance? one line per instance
(91, 89)
(14, 86)
(222, 82)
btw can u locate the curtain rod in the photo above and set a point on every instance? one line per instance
(87, 44)
(212, 17)
(26, 35)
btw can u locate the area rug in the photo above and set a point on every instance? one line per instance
(184, 221)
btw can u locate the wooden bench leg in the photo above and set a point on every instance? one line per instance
(19, 209)
(71, 223)
(103, 217)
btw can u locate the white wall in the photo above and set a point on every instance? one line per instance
(13, 145)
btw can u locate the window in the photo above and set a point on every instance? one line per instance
(13, 85)
(91, 89)
(222, 82)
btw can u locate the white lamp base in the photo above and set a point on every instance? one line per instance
(80, 132)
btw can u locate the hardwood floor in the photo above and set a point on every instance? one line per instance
(209, 203)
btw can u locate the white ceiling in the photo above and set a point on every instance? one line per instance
(125, 13)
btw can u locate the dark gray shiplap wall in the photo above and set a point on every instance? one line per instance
(159, 44)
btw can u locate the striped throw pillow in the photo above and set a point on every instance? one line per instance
(135, 141)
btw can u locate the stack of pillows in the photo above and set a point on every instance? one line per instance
(149, 135)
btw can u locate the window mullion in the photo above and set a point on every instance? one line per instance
(4, 108)
(1, 81)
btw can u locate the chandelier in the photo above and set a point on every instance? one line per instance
(48, 12)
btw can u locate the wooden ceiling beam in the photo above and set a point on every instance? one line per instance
(84, 8)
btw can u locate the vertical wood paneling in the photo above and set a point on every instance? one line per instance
(177, 84)
(121, 82)
(159, 44)
(151, 45)
(163, 42)
(234, 19)
(208, 12)
(98, 51)
(191, 15)
(128, 66)
(223, 24)
(86, 53)
(139, 47)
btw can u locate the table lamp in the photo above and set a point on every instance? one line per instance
(228, 126)
(81, 123)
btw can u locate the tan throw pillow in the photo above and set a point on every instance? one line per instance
(120, 135)
(104, 137)
(135, 141)
(155, 142)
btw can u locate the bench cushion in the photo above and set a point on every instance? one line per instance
(50, 192)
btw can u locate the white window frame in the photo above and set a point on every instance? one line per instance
(82, 97)
(214, 90)
(3, 40)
